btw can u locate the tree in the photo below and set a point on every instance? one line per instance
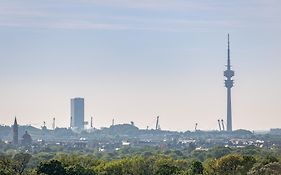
(210, 167)
(273, 168)
(114, 167)
(166, 169)
(53, 167)
(138, 165)
(219, 152)
(165, 166)
(191, 147)
(247, 164)
(78, 170)
(196, 168)
(20, 162)
(228, 165)
(5, 165)
(269, 159)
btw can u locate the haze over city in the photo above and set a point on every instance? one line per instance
(133, 61)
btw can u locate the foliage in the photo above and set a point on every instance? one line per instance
(20, 162)
(273, 168)
(229, 165)
(14, 165)
(196, 168)
(53, 167)
(145, 161)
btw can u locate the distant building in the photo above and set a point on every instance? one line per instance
(275, 131)
(15, 132)
(77, 113)
(26, 139)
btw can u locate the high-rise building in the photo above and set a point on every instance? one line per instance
(15, 132)
(77, 113)
(228, 73)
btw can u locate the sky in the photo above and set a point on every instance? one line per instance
(134, 60)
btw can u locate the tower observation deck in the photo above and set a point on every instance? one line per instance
(228, 73)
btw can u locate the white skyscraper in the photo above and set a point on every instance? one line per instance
(77, 113)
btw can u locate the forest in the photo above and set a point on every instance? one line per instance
(145, 161)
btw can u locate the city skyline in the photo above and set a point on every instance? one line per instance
(134, 61)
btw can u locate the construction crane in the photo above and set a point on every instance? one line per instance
(157, 123)
(222, 124)
(219, 124)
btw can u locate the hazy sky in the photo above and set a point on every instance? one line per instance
(135, 59)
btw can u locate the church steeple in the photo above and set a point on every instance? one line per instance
(15, 132)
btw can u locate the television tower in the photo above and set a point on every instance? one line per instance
(228, 73)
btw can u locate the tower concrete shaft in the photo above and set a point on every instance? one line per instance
(228, 73)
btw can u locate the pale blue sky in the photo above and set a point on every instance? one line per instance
(134, 60)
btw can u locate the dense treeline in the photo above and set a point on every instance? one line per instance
(146, 161)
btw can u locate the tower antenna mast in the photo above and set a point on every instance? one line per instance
(228, 73)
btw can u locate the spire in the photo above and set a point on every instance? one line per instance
(15, 122)
(228, 53)
(15, 132)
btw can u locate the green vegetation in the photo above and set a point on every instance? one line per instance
(146, 161)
